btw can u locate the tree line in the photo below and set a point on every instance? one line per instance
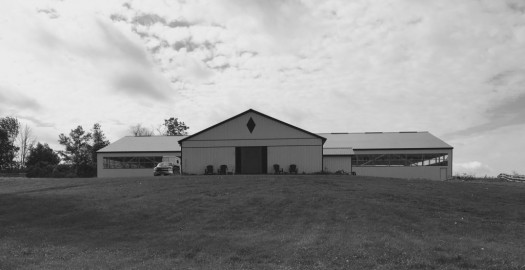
(20, 151)
(171, 127)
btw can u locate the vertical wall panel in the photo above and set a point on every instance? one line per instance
(411, 172)
(307, 158)
(335, 163)
(195, 160)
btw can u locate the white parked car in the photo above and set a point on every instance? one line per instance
(163, 168)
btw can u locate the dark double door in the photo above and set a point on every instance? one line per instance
(251, 160)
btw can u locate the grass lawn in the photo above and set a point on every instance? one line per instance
(260, 222)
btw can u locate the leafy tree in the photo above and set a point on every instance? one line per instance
(174, 127)
(41, 161)
(99, 141)
(42, 153)
(138, 131)
(78, 148)
(81, 151)
(9, 127)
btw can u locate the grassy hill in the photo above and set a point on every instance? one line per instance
(260, 222)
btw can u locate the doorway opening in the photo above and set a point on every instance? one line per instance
(251, 160)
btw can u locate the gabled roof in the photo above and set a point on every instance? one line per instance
(384, 140)
(256, 112)
(144, 144)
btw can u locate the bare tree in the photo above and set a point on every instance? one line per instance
(161, 130)
(26, 141)
(138, 131)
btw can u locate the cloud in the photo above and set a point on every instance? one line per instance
(138, 84)
(474, 168)
(122, 46)
(37, 122)
(509, 111)
(15, 99)
(52, 13)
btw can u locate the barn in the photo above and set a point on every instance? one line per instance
(254, 143)
(136, 156)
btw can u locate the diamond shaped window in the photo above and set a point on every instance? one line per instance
(251, 125)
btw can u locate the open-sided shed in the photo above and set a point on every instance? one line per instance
(135, 156)
(394, 154)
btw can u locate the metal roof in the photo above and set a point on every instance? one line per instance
(338, 151)
(336, 143)
(384, 140)
(144, 144)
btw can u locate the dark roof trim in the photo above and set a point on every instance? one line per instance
(254, 111)
(431, 148)
(129, 152)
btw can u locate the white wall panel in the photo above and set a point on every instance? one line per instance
(195, 160)
(264, 128)
(414, 172)
(335, 163)
(307, 158)
(252, 142)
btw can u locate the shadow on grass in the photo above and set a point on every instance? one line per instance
(50, 212)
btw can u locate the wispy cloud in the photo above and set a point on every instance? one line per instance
(10, 99)
(37, 122)
(139, 85)
(508, 110)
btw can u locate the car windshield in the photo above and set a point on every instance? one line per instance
(164, 164)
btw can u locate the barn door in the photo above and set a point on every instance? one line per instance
(251, 160)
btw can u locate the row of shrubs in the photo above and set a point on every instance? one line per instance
(43, 169)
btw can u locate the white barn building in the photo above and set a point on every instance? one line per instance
(252, 143)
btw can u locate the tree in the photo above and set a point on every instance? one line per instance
(81, 151)
(42, 153)
(174, 127)
(41, 161)
(26, 141)
(9, 127)
(78, 151)
(99, 141)
(138, 131)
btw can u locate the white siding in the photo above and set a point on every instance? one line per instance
(195, 160)
(285, 144)
(101, 172)
(307, 158)
(264, 128)
(250, 142)
(335, 163)
(423, 172)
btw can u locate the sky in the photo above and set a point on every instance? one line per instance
(453, 68)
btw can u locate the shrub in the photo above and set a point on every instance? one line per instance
(85, 170)
(40, 169)
(63, 171)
